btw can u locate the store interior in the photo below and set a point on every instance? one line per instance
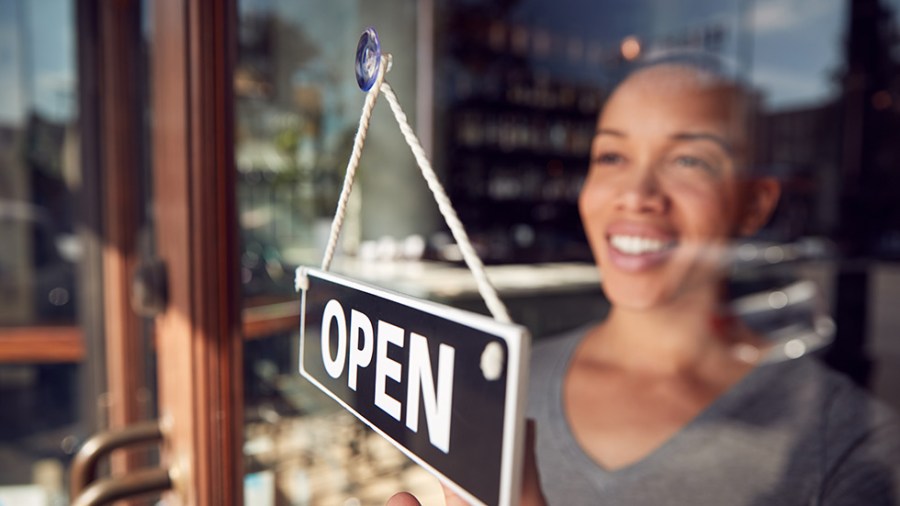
(504, 98)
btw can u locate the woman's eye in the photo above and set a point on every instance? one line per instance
(693, 162)
(608, 159)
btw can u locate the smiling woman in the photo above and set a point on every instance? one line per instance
(660, 403)
(655, 405)
(667, 187)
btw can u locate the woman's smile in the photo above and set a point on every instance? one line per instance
(635, 247)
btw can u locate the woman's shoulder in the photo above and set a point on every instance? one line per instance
(853, 411)
(831, 439)
(550, 357)
(806, 384)
(555, 351)
(841, 420)
(841, 398)
(862, 442)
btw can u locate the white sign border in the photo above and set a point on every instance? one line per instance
(518, 346)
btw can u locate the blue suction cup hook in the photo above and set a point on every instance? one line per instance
(368, 59)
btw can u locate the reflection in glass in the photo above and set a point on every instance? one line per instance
(39, 252)
(38, 152)
(516, 93)
(297, 109)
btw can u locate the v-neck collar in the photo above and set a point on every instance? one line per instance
(733, 399)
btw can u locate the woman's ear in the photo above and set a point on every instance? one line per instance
(761, 197)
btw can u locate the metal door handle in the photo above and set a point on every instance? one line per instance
(108, 490)
(87, 490)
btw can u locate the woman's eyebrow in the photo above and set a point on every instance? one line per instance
(700, 136)
(610, 131)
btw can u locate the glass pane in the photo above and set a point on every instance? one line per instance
(53, 372)
(827, 81)
(297, 108)
(43, 348)
(40, 155)
(518, 90)
(508, 96)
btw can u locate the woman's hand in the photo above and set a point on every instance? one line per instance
(531, 483)
(407, 499)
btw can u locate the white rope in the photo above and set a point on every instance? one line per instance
(488, 293)
(353, 163)
(485, 288)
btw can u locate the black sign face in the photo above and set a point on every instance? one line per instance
(446, 386)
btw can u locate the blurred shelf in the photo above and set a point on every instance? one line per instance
(445, 283)
(261, 319)
(41, 344)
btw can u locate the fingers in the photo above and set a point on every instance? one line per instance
(531, 483)
(403, 499)
(407, 499)
(451, 499)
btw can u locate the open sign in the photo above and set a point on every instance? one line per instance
(445, 386)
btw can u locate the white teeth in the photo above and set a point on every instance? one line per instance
(636, 245)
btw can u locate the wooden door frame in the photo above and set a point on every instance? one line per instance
(198, 339)
(122, 162)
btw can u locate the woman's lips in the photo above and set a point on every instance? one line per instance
(637, 247)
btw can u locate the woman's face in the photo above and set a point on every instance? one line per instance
(662, 196)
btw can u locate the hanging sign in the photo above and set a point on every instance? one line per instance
(445, 386)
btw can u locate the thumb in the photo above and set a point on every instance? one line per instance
(451, 498)
(403, 499)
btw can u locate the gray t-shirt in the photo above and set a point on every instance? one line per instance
(790, 433)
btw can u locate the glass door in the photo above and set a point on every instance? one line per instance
(157, 83)
(296, 106)
(166, 164)
(48, 338)
(75, 359)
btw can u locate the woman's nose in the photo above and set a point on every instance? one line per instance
(642, 192)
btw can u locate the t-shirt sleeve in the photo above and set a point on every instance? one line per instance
(869, 471)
